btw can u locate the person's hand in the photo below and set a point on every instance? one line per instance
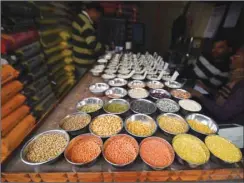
(202, 85)
(194, 93)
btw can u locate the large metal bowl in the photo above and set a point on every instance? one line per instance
(171, 101)
(204, 120)
(138, 89)
(144, 119)
(77, 131)
(116, 92)
(24, 150)
(90, 100)
(174, 116)
(155, 85)
(161, 91)
(136, 84)
(98, 88)
(74, 141)
(105, 137)
(180, 90)
(169, 146)
(153, 108)
(111, 139)
(118, 101)
(173, 84)
(117, 82)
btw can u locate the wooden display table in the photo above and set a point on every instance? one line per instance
(14, 170)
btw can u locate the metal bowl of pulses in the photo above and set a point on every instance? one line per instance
(29, 144)
(138, 93)
(86, 105)
(159, 94)
(143, 106)
(167, 105)
(77, 126)
(136, 84)
(116, 101)
(155, 84)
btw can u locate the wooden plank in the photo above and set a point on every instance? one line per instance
(107, 177)
(54, 177)
(126, 176)
(35, 177)
(16, 177)
(72, 177)
(90, 177)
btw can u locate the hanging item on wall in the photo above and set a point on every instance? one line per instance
(214, 21)
(233, 14)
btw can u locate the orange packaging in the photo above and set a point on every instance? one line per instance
(9, 90)
(17, 134)
(12, 104)
(8, 73)
(13, 119)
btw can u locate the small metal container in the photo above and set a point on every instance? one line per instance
(175, 116)
(105, 137)
(118, 101)
(144, 119)
(160, 91)
(111, 139)
(117, 82)
(136, 84)
(169, 146)
(90, 100)
(96, 73)
(173, 84)
(169, 100)
(116, 92)
(186, 112)
(153, 109)
(179, 90)
(155, 84)
(107, 77)
(24, 150)
(205, 120)
(78, 131)
(74, 141)
(138, 89)
(98, 88)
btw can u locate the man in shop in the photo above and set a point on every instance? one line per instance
(211, 69)
(86, 47)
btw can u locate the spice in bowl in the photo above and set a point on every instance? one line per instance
(106, 125)
(200, 127)
(121, 150)
(223, 149)
(156, 152)
(180, 94)
(116, 107)
(167, 105)
(172, 124)
(89, 108)
(190, 105)
(75, 122)
(46, 147)
(138, 93)
(143, 106)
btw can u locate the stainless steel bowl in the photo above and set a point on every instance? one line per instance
(98, 88)
(204, 120)
(117, 136)
(169, 100)
(169, 146)
(116, 92)
(156, 84)
(138, 90)
(173, 84)
(153, 106)
(180, 90)
(161, 91)
(90, 100)
(117, 101)
(174, 116)
(77, 131)
(117, 82)
(187, 111)
(74, 141)
(144, 119)
(24, 150)
(104, 137)
(136, 84)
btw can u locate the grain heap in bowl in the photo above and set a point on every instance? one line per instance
(106, 125)
(190, 105)
(89, 108)
(46, 147)
(191, 149)
(84, 149)
(172, 123)
(223, 149)
(167, 105)
(180, 94)
(159, 94)
(121, 150)
(143, 106)
(116, 106)
(156, 152)
(138, 93)
(200, 127)
(75, 121)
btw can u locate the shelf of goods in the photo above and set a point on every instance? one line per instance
(101, 171)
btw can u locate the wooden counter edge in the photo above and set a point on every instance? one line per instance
(128, 176)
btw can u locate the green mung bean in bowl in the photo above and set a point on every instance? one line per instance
(116, 106)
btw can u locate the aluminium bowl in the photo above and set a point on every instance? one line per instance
(169, 100)
(135, 83)
(98, 88)
(138, 89)
(180, 90)
(90, 100)
(161, 91)
(156, 84)
(153, 109)
(116, 92)
(118, 101)
(117, 82)
(173, 84)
